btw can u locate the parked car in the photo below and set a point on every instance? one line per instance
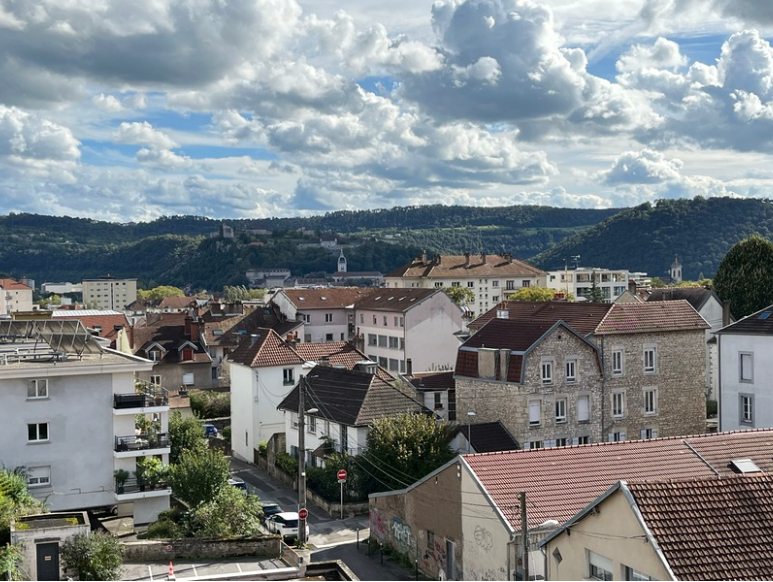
(269, 508)
(210, 430)
(238, 483)
(285, 524)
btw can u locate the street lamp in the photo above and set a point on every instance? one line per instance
(470, 416)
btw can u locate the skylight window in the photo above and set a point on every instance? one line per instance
(765, 314)
(744, 466)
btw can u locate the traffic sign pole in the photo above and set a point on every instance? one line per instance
(341, 480)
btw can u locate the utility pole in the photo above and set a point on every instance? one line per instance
(301, 461)
(525, 536)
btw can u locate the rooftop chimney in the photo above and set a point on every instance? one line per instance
(726, 313)
(466, 259)
(508, 257)
(188, 321)
(483, 258)
(424, 257)
(409, 367)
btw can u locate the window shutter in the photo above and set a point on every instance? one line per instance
(550, 443)
(654, 433)
(600, 561)
(575, 441)
(611, 437)
(582, 408)
(534, 411)
(622, 435)
(643, 433)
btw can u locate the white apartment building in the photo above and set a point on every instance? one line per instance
(14, 296)
(611, 282)
(68, 413)
(397, 325)
(109, 293)
(490, 277)
(61, 288)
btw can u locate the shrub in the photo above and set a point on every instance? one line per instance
(287, 463)
(263, 449)
(95, 556)
(210, 404)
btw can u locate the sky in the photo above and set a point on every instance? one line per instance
(127, 111)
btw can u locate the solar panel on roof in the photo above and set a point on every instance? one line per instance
(765, 314)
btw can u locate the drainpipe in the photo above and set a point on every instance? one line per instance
(603, 389)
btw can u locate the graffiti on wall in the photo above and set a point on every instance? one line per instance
(401, 532)
(376, 524)
(483, 538)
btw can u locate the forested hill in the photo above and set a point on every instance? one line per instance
(646, 238)
(178, 251)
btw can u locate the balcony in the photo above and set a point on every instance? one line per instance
(145, 395)
(132, 489)
(141, 442)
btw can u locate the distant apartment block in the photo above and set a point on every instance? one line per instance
(61, 288)
(14, 296)
(109, 292)
(490, 277)
(267, 277)
(579, 282)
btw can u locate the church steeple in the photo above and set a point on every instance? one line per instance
(342, 262)
(676, 270)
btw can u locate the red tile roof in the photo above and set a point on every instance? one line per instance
(480, 265)
(13, 285)
(327, 298)
(714, 529)
(397, 300)
(264, 349)
(107, 323)
(176, 302)
(651, 316)
(559, 482)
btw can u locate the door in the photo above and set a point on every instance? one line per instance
(450, 559)
(48, 561)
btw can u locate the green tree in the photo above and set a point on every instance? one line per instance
(158, 293)
(402, 449)
(93, 556)
(533, 294)
(595, 295)
(50, 301)
(15, 501)
(460, 295)
(745, 276)
(230, 513)
(10, 562)
(185, 434)
(199, 476)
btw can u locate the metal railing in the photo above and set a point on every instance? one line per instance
(142, 442)
(135, 486)
(145, 395)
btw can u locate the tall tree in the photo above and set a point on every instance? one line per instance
(460, 295)
(745, 276)
(402, 449)
(185, 434)
(229, 514)
(199, 476)
(93, 556)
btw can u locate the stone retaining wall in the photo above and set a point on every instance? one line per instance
(193, 548)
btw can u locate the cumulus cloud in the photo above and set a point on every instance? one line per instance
(107, 103)
(162, 158)
(643, 167)
(143, 133)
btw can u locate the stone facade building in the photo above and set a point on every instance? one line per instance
(632, 371)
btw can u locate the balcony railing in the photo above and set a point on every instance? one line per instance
(142, 442)
(135, 486)
(145, 395)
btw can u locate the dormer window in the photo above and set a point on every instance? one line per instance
(187, 354)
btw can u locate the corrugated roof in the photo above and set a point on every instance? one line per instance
(715, 529)
(559, 482)
(477, 265)
(651, 316)
(388, 299)
(327, 298)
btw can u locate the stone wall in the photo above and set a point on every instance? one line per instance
(193, 548)
(509, 402)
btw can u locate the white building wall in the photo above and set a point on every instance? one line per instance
(356, 436)
(731, 386)
(393, 329)
(712, 313)
(319, 330)
(429, 334)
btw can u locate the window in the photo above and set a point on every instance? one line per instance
(187, 354)
(510, 285)
(495, 283)
(616, 437)
(438, 398)
(155, 379)
(328, 318)
(38, 476)
(535, 445)
(438, 285)
(495, 298)
(382, 341)
(288, 376)
(561, 441)
(312, 426)
(383, 362)
(631, 574)
(571, 370)
(746, 365)
(188, 379)
(470, 284)
(362, 318)
(618, 404)
(306, 318)
(526, 283)
(583, 440)
(547, 371)
(583, 409)
(37, 389)
(402, 366)
(402, 322)
(649, 433)
(599, 567)
(430, 540)
(650, 401)
(650, 360)
(394, 342)
(37, 432)
(328, 337)
(375, 320)
(456, 284)
(561, 410)
(617, 362)
(397, 321)
(746, 408)
(535, 414)
(372, 339)
(394, 365)
(385, 320)
(155, 355)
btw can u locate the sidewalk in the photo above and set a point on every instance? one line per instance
(324, 531)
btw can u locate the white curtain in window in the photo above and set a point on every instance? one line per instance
(583, 408)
